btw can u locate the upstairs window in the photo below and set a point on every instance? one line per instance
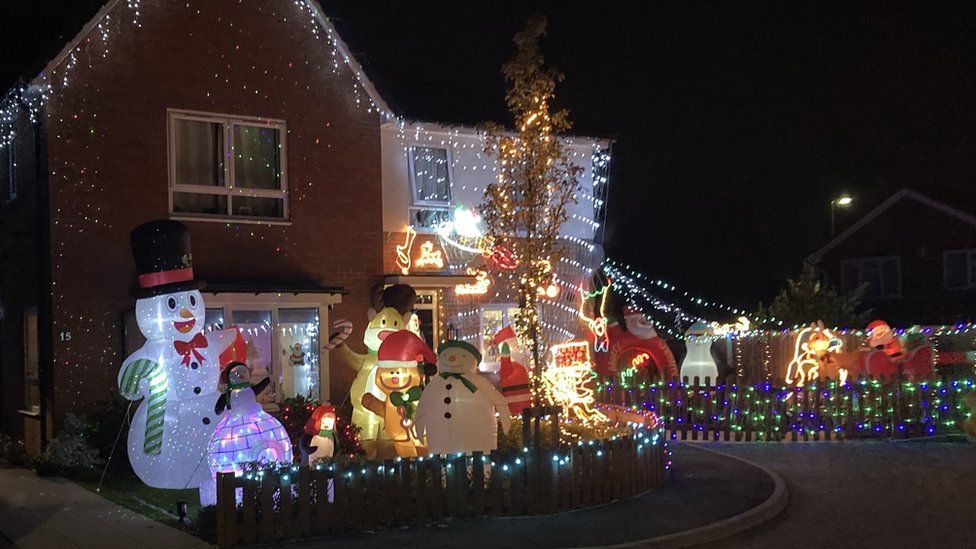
(960, 268)
(881, 274)
(227, 167)
(430, 182)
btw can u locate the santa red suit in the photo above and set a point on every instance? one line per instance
(881, 337)
(514, 376)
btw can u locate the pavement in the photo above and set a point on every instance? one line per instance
(40, 512)
(912, 494)
(705, 488)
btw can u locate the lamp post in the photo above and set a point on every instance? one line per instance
(842, 200)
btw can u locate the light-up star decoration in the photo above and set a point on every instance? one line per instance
(565, 381)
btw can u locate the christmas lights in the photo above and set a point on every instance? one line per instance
(565, 381)
(403, 259)
(478, 287)
(429, 258)
(820, 410)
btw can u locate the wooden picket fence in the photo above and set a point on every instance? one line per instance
(264, 506)
(824, 410)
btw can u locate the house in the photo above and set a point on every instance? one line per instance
(254, 125)
(917, 256)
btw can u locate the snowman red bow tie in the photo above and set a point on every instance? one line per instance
(188, 348)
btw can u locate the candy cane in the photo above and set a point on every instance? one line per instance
(158, 386)
(344, 328)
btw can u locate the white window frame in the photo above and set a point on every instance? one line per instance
(416, 203)
(273, 302)
(970, 271)
(433, 306)
(859, 265)
(229, 190)
(506, 320)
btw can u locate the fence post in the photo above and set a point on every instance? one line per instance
(226, 510)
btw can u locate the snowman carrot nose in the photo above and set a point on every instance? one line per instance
(185, 313)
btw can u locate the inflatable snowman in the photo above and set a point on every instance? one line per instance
(246, 434)
(176, 372)
(457, 408)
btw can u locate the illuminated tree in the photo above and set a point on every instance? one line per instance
(807, 299)
(525, 206)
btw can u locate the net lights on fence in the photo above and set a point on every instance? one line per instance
(645, 438)
(863, 408)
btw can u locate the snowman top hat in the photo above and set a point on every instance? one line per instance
(164, 261)
(403, 349)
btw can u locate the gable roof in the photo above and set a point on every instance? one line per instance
(884, 206)
(462, 113)
(313, 8)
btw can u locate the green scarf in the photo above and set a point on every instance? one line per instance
(467, 383)
(328, 433)
(408, 400)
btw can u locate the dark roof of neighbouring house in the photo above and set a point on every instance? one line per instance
(903, 194)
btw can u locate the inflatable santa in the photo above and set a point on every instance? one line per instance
(513, 374)
(635, 344)
(882, 338)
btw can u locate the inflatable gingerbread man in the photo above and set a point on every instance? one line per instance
(395, 388)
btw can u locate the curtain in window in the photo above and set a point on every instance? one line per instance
(256, 164)
(430, 175)
(199, 153)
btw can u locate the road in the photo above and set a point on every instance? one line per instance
(866, 494)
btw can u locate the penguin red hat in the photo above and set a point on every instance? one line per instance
(403, 348)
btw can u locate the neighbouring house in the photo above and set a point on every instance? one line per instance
(917, 256)
(253, 124)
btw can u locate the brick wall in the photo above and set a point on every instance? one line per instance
(108, 167)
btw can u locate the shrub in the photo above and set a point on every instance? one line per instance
(12, 451)
(70, 454)
(109, 418)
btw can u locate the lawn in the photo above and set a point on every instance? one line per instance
(155, 503)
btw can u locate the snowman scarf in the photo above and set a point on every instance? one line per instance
(134, 373)
(464, 381)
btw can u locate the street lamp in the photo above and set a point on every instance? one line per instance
(842, 200)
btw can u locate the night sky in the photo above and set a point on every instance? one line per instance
(735, 123)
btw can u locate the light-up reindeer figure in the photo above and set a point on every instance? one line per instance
(598, 323)
(813, 344)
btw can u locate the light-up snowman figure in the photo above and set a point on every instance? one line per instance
(246, 434)
(176, 372)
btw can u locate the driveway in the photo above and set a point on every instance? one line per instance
(867, 494)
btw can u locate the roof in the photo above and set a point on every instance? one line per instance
(459, 102)
(884, 206)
